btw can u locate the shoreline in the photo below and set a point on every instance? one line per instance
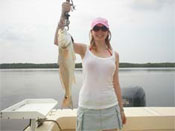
(80, 69)
(79, 65)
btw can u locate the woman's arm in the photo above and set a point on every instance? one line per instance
(78, 47)
(66, 7)
(116, 82)
(56, 36)
(118, 89)
(60, 26)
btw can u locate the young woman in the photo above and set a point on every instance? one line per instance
(100, 101)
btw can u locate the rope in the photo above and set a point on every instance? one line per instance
(54, 122)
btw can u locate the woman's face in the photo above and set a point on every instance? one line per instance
(99, 34)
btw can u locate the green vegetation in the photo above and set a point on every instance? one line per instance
(79, 65)
(147, 65)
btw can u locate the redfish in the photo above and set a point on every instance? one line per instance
(66, 62)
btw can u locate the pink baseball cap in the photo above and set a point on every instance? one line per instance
(99, 20)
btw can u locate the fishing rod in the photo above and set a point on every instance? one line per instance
(67, 22)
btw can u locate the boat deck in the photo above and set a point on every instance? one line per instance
(138, 119)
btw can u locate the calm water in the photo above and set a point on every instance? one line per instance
(19, 84)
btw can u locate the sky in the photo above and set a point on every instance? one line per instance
(143, 31)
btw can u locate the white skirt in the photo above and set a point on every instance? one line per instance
(98, 119)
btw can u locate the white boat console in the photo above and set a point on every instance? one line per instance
(32, 109)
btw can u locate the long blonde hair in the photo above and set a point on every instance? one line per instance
(107, 41)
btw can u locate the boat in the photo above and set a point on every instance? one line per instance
(44, 117)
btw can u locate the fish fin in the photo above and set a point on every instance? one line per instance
(67, 103)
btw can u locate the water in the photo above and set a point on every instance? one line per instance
(19, 84)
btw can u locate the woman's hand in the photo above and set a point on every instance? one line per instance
(123, 117)
(66, 7)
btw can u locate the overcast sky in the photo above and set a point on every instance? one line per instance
(142, 30)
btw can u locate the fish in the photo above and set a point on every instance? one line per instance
(66, 62)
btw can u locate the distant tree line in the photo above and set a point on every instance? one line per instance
(147, 65)
(79, 65)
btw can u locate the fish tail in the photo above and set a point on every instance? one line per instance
(67, 103)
